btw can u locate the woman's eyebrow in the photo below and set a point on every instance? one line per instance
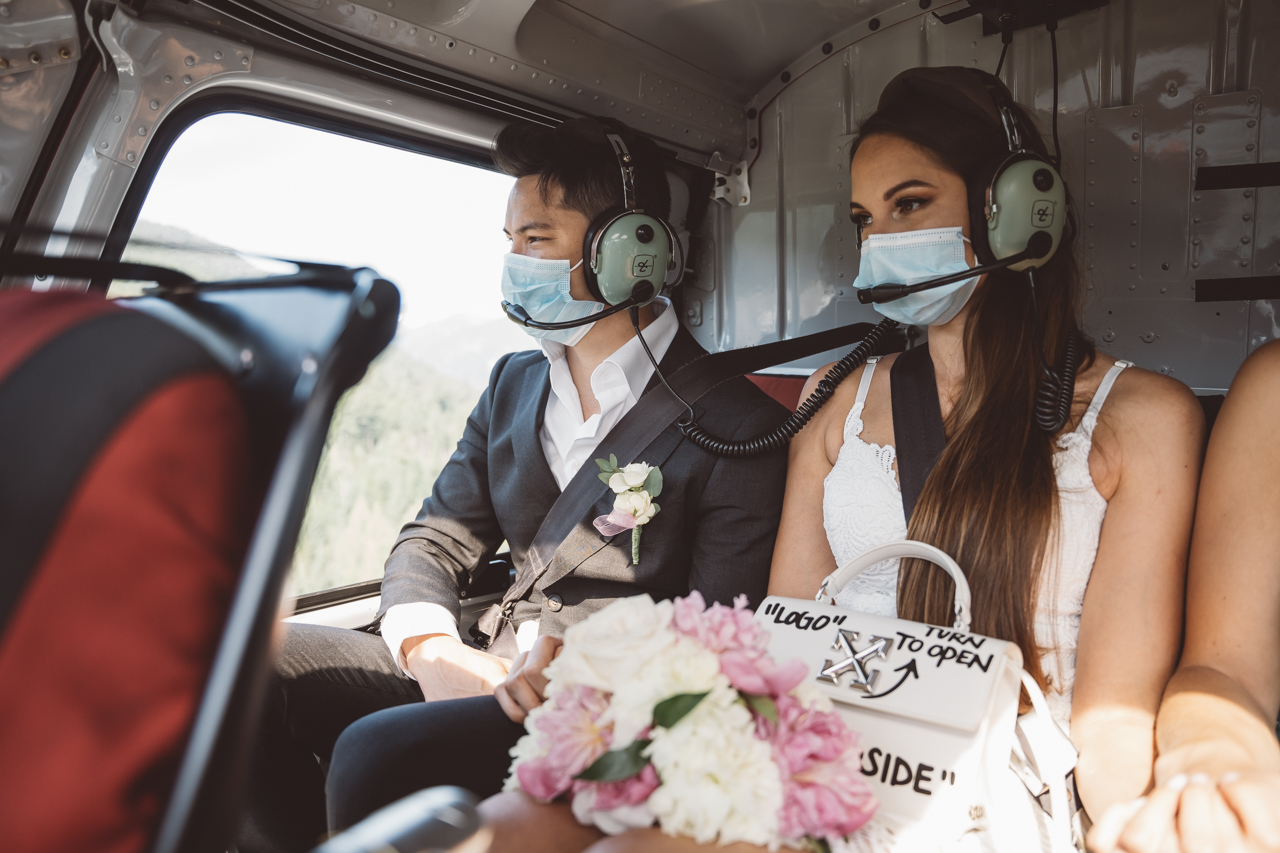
(914, 182)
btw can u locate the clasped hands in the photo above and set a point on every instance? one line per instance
(447, 668)
(1196, 813)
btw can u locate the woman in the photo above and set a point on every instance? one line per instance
(922, 161)
(1219, 766)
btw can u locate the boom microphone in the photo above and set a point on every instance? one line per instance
(640, 294)
(1037, 247)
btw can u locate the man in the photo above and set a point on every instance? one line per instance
(544, 416)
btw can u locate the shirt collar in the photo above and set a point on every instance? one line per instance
(629, 358)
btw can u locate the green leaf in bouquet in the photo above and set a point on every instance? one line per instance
(762, 705)
(668, 712)
(617, 764)
(653, 483)
(816, 845)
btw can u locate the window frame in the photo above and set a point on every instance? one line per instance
(222, 101)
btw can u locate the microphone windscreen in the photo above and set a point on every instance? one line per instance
(516, 314)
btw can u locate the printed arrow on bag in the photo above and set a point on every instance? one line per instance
(910, 667)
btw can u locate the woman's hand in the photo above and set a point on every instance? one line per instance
(1191, 814)
(526, 686)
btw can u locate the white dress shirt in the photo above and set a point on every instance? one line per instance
(568, 442)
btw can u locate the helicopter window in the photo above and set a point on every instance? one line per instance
(240, 196)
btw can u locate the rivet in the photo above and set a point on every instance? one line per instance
(471, 52)
(450, 44)
(190, 61)
(244, 60)
(1133, 222)
(1091, 183)
(1090, 266)
(131, 156)
(1253, 99)
(1132, 266)
(1164, 289)
(1091, 139)
(35, 59)
(513, 68)
(1090, 245)
(186, 78)
(826, 48)
(1133, 201)
(1196, 196)
(1164, 266)
(217, 54)
(1135, 114)
(392, 25)
(1091, 204)
(1133, 180)
(1090, 224)
(1195, 264)
(104, 145)
(535, 75)
(1249, 147)
(1251, 123)
(413, 31)
(1199, 152)
(1195, 241)
(743, 200)
(1133, 244)
(874, 24)
(1247, 194)
(155, 105)
(1244, 241)
(1200, 108)
(65, 53)
(1195, 219)
(117, 119)
(1247, 217)
(432, 39)
(142, 131)
(1093, 118)
(1244, 263)
(1091, 162)
(1134, 158)
(372, 16)
(1199, 128)
(1136, 135)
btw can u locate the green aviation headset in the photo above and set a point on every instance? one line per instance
(628, 253)
(1026, 195)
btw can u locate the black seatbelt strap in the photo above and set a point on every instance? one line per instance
(58, 408)
(917, 422)
(648, 419)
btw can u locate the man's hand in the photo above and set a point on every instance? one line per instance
(526, 686)
(449, 669)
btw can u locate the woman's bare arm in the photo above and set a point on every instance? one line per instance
(802, 557)
(1149, 442)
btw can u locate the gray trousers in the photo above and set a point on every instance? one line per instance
(326, 679)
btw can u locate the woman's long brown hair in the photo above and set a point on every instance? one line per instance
(991, 500)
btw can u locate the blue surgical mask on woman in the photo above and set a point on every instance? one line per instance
(541, 287)
(910, 257)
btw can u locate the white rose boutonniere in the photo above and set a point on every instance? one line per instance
(634, 486)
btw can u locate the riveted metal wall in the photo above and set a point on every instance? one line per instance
(1149, 92)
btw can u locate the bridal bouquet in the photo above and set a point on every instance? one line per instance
(673, 713)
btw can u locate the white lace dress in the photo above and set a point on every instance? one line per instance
(862, 508)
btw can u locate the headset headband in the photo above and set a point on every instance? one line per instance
(628, 170)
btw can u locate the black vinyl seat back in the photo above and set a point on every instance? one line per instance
(293, 344)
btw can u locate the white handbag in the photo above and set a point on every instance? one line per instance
(954, 766)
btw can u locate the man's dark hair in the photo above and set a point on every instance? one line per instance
(577, 158)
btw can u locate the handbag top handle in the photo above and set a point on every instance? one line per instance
(838, 579)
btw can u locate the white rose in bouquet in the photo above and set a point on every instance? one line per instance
(636, 503)
(685, 667)
(606, 650)
(717, 777)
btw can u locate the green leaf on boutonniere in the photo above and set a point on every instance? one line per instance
(653, 483)
(604, 476)
(613, 462)
(668, 712)
(606, 467)
(617, 764)
(762, 705)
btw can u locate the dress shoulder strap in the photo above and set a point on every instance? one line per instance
(1090, 419)
(865, 384)
(853, 421)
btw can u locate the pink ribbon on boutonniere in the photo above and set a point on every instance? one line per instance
(614, 523)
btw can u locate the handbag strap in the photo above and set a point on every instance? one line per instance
(917, 422)
(1053, 762)
(840, 578)
(649, 418)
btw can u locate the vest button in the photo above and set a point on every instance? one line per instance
(554, 603)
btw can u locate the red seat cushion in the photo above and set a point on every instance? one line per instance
(785, 389)
(105, 656)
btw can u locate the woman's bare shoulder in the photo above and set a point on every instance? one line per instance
(1144, 404)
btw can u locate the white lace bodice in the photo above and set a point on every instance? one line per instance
(862, 508)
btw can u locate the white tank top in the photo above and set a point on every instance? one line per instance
(862, 508)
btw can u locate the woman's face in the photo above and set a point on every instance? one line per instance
(897, 185)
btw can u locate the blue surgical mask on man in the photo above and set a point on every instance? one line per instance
(910, 257)
(541, 287)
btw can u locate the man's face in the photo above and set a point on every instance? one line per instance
(544, 229)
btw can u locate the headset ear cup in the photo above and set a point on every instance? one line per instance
(1028, 196)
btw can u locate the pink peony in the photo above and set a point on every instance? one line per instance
(570, 727)
(741, 643)
(628, 792)
(823, 792)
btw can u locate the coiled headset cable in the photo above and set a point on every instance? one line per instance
(780, 437)
(1056, 389)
